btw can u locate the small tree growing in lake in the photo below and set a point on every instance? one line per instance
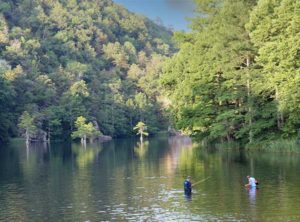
(84, 130)
(141, 128)
(26, 123)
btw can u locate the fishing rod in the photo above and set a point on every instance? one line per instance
(200, 181)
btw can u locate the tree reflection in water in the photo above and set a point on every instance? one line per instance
(85, 156)
(140, 149)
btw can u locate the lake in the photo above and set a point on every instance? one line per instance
(123, 180)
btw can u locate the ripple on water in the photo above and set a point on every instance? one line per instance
(40, 189)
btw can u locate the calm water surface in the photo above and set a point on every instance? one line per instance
(125, 181)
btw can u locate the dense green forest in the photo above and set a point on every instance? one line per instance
(64, 59)
(237, 74)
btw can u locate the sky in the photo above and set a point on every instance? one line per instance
(171, 12)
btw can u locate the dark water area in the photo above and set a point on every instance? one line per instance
(123, 180)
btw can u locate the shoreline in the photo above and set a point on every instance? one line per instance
(291, 145)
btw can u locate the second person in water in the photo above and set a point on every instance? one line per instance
(252, 182)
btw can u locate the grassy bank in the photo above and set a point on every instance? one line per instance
(280, 145)
(291, 145)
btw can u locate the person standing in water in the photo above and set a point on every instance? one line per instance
(251, 182)
(187, 186)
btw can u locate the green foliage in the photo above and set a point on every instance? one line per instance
(207, 79)
(278, 145)
(274, 30)
(6, 97)
(236, 76)
(84, 130)
(80, 58)
(26, 123)
(79, 89)
(141, 129)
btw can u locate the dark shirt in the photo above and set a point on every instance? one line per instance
(187, 187)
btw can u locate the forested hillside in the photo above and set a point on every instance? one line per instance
(237, 74)
(61, 59)
(235, 77)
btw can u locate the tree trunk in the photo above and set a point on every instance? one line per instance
(141, 137)
(113, 119)
(83, 140)
(280, 118)
(249, 101)
(49, 134)
(228, 137)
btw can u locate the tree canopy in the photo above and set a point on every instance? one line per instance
(141, 129)
(236, 74)
(63, 59)
(84, 130)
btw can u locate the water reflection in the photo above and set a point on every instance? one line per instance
(252, 195)
(124, 180)
(188, 196)
(85, 155)
(141, 149)
(252, 192)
